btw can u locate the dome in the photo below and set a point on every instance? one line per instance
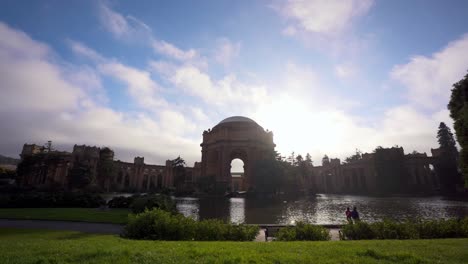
(237, 119)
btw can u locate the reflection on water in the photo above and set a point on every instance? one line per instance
(323, 209)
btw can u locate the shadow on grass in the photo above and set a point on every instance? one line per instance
(395, 258)
(77, 235)
(93, 257)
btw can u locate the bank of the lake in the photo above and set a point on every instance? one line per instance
(40, 246)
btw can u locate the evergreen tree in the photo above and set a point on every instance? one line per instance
(458, 107)
(299, 160)
(308, 160)
(445, 138)
(446, 164)
(178, 166)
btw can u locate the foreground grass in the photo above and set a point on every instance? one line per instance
(40, 246)
(115, 216)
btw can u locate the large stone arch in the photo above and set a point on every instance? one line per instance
(234, 137)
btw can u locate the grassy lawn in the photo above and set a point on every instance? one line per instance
(116, 216)
(39, 246)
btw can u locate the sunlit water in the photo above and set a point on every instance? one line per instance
(323, 209)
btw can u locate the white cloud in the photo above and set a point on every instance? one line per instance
(139, 84)
(131, 29)
(29, 79)
(323, 16)
(113, 21)
(85, 51)
(429, 79)
(170, 50)
(226, 94)
(127, 28)
(226, 51)
(41, 101)
(345, 70)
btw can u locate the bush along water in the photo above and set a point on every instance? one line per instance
(303, 231)
(429, 229)
(121, 201)
(157, 224)
(148, 202)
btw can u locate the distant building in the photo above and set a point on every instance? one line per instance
(41, 167)
(387, 170)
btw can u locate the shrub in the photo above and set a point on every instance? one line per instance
(393, 230)
(163, 202)
(121, 202)
(429, 229)
(359, 230)
(303, 231)
(157, 224)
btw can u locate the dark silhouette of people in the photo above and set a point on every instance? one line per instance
(266, 234)
(355, 214)
(348, 215)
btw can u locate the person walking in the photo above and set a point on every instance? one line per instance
(355, 215)
(348, 215)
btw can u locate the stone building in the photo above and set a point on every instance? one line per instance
(236, 137)
(387, 170)
(41, 167)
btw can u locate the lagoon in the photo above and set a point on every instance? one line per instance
(320, 209)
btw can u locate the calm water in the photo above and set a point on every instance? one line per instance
(323, 209)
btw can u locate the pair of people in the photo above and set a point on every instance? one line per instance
(352, 216)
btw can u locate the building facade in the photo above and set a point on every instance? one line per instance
(41, 167)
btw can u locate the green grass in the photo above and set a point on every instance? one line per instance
(39, 246)
(115, 216)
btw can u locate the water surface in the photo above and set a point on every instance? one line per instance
(320, 209)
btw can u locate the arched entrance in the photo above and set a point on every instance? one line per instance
(235, 137)
(237, 175)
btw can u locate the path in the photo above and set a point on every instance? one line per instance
(334, 235)
(98, 228)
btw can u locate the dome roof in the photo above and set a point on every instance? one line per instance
(237, 119)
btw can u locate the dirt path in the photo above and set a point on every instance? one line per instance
(98, 228)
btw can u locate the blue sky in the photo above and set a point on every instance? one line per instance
(147, 77)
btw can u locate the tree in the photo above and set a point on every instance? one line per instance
(80, 176)
(445, 138)
(268, 175)
(308, 160)
(357, 156)
(458, 107)
(178, 166)
(446, 165)
(107, 171)
(299, 160)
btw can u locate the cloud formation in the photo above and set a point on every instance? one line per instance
(429, 79)
(40, 101)
(328, 17)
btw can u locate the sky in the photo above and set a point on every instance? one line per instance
(146, 78)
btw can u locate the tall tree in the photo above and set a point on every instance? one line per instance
(447, 161)
(308, 160)
(178, 166)
(445, 137)
(299, 160)
(458, 107)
